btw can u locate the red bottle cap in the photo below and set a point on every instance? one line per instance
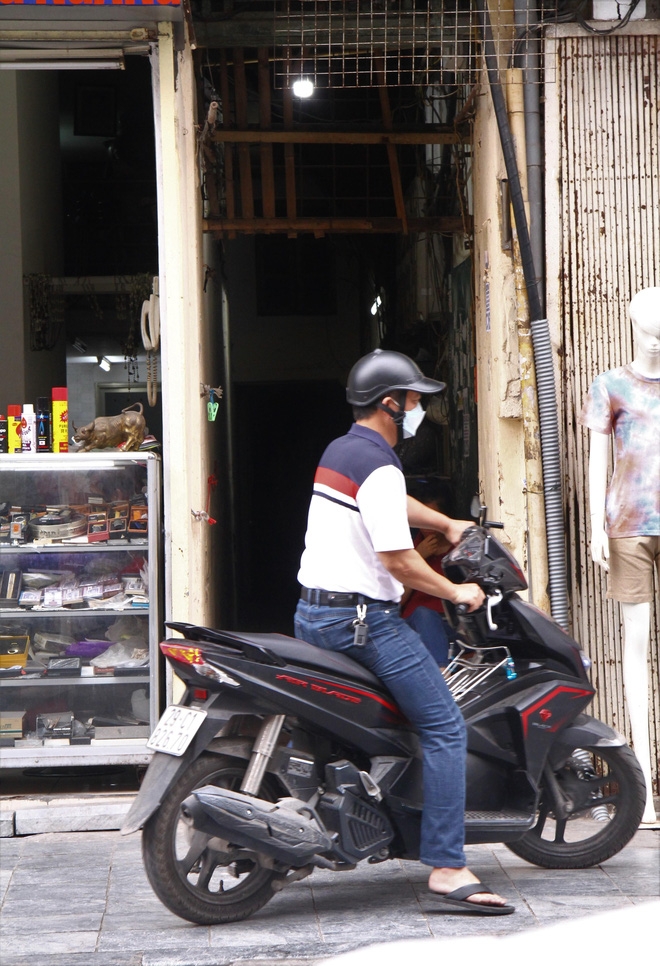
(14, 411)
(60, 393)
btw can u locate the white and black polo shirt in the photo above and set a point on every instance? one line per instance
(358, 509)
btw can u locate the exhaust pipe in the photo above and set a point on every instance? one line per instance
(288, 831)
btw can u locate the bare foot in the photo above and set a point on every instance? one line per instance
(444, 881)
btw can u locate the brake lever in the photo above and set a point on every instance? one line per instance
(492, 601)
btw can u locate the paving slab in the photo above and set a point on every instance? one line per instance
(83, 899)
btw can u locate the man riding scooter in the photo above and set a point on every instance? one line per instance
(358, 555)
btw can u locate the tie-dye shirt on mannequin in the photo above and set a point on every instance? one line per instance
(628, 405)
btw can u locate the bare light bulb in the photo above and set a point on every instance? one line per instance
(303, 87)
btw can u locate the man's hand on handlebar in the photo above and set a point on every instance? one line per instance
(471, 595)
(456, 529)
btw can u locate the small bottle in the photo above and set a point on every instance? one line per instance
(60, 420)
(28, 429)
(3, 435)
(14, 429)
(510, 669)
(43, 425)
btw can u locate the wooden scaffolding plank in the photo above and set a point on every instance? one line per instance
(289, 156)
(244, 166)
(227, 114)
(328, 135)
(265, 150)
(392, 156)
(317, 226)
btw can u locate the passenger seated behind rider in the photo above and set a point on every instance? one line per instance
(423, 612)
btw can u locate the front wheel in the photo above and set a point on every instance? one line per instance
(204, 880)
(606, 791)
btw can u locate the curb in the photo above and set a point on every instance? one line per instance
(35, 815)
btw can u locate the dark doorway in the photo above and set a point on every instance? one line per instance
(281, 429)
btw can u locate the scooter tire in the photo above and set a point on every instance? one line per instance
(184, 891)
(616, 775)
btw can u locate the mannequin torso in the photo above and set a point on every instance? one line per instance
(629, 505)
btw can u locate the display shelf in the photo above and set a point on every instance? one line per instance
(43, 498)
(102, 680)
(22, 612)
(123, 546)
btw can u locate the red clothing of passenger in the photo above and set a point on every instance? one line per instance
(420, 598)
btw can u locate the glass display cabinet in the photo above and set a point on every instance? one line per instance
(80, 608)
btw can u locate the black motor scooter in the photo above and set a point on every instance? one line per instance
(282, 757)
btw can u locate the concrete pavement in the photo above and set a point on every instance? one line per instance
(82, 899)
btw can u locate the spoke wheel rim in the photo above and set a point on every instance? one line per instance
(598, 791)
(203, 868)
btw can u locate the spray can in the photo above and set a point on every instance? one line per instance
(28, 429)
(14, 429)
(3, 434)
(43, 425)
(60, 420)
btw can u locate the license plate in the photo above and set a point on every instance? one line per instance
(176, 729)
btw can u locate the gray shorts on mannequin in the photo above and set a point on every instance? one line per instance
(632, 561)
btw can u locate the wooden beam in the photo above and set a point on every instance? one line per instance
(324, 136)
(289, 155)
(245, 168)
(392, 156)
(265, 149)
(227, 121)
(445, 225)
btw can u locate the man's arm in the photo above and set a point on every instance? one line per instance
(425, 518)
(410, 569)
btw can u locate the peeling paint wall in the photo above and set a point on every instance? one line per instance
(501, 445)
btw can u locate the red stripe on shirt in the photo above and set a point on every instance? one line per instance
(337, 481)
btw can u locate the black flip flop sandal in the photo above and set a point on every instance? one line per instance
(457, 901)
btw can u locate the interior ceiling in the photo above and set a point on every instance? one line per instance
(394, 83)
(346, 159)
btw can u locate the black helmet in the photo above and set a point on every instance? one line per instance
(377, 374)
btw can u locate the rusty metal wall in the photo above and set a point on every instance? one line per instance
(603, 238)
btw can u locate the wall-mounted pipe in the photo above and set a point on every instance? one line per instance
(528, 48)
(543, 361)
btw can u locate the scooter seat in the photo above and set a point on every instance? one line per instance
(295, 651)
(289, 649)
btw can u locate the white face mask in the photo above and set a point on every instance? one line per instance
(412, 420)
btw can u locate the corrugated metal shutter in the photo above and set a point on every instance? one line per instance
(603, 228)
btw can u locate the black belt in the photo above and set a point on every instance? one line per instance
(331, 598)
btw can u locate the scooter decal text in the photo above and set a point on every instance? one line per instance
(322, 688)
(355, 697)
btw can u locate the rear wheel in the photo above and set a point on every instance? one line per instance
(200, 879)
(605, 789)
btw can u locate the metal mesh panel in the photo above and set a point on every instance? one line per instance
(338, 43)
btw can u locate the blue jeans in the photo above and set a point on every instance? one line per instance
(434, 631)
(395, 653)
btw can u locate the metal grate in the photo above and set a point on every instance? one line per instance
(471, 667)
(337, 43)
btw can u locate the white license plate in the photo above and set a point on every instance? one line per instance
(176, 729)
